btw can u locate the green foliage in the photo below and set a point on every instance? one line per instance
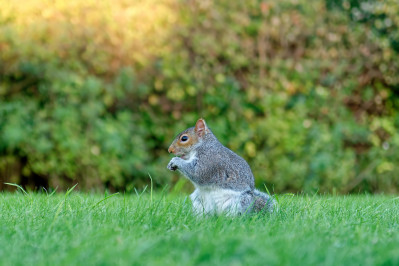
(82, 229)
(307, 93)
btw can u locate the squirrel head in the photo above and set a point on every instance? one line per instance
(187, 140)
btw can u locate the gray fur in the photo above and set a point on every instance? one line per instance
(212, 165)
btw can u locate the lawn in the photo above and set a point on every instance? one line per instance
(127, 229)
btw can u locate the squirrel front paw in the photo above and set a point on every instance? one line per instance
(172, 165)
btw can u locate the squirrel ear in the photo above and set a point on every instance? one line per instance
(200, 127)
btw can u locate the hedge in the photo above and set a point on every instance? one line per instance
(94, 92)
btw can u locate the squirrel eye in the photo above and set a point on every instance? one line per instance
(184, 138)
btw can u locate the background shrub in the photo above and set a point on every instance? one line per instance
(94, 92)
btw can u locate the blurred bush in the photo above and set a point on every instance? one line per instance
(94, 92)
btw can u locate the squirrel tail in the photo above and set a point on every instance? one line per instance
(264, 202)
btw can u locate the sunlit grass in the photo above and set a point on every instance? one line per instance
(76, 228)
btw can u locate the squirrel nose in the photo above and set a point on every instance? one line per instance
(171, 150)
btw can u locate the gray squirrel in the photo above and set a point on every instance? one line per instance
(223, 181)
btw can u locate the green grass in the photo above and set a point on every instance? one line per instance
(37, 229)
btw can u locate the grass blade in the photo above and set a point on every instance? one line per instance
(18, 186)
(110, 196)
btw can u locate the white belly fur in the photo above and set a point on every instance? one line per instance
(212, 200)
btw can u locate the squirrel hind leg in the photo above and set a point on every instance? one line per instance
(263, 202)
